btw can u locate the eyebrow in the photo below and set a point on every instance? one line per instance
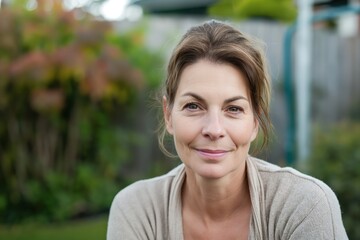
(232, 99)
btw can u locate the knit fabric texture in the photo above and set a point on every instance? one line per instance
(286, 204)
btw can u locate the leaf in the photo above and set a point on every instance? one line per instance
(34, 66)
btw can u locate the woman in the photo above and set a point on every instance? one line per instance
(216, 101)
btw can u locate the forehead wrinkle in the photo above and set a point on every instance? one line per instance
(196, 77)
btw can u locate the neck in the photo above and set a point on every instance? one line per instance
(216, 199)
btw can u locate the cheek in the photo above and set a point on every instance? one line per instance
(184, 131)
(244, 133)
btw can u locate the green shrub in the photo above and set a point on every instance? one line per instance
(281, 10)
(336, 161)
(68, 88)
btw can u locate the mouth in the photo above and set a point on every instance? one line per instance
(212, 153)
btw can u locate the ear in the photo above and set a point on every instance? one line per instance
(167, 116)
(255, 130)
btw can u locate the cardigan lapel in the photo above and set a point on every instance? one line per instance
(258, 223)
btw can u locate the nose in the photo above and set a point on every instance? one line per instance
(213, 127)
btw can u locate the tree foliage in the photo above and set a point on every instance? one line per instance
(336, 161)
(68, 84)
(281, 10)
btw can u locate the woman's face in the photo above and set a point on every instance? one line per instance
(211, 120)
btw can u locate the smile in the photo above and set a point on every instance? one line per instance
(212, 154)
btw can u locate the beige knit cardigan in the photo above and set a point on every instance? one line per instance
(286, 204)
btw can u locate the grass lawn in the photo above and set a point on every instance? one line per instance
(89, 229)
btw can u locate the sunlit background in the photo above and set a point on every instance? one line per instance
(112, 10)
(79, 81)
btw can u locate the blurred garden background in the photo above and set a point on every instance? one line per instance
(78, 88)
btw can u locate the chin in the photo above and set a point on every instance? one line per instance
(210, 171)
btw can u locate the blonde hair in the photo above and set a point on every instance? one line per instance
(219, 42)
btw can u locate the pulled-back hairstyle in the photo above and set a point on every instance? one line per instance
(221, 43)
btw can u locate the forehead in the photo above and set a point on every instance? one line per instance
(215, 78)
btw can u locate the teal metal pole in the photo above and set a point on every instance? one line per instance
(289, 96)
(290, 149)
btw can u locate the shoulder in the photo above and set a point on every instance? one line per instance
(140, 211)
(298, 204)
(290, 180)
(149, 191)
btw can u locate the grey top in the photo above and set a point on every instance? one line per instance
(286, 204)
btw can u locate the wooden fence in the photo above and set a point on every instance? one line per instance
(335, 68)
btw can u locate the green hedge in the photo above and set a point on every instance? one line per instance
(68, 88)
(336, 161)
(280, 10)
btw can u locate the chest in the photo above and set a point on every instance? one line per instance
(234, 228)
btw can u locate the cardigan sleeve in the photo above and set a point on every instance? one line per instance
(323, 221)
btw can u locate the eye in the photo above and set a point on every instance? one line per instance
(235, 109)
(192, 106)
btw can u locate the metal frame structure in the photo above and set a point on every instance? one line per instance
(329, 14)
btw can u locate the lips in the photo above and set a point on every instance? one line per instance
(212, 154)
